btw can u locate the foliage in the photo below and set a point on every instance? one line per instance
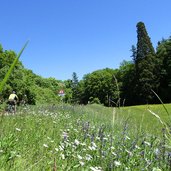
(34, 88)
(126, 75)
(94, 100)
(101, 85)
(145, 63)
(164, 54)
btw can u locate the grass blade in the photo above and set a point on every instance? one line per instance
(11, 68)
(162, 104)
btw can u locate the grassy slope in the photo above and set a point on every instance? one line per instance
(138, 117)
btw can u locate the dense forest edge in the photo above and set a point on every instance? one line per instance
(135, 82)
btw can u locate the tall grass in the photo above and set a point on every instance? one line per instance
(165, 125)
(162, 104)
(82, 138)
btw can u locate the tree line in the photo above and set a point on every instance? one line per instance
(135, 82)
(145, 79)
(29, 87)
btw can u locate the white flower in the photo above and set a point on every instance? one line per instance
(156, 151)
(96, 168)
(17, 129)
(79, 157)
(76, 142)
(114, 153)
(56, 149)
(117, 163)
(61, 147)
(147, 143)
(62, 156)
(105, 138)
(137, 147)
(112, 148)
(88, 157)
(94, 145)
(45, 145)
(92, 148)
(129, 152)
(81, 163)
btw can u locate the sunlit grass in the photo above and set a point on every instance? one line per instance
(84, 138)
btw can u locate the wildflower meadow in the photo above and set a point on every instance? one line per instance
(85, 138)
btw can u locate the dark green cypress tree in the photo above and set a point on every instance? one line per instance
(145, 66)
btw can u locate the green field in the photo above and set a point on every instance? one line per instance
(90, 137)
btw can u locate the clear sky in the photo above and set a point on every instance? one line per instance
(81, 36)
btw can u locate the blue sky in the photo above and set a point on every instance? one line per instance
(81, 36)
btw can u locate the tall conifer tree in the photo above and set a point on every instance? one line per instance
(145, 65)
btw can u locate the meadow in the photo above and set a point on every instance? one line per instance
(86, 138)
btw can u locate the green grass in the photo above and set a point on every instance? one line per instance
(138, 116)
(90, 137)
